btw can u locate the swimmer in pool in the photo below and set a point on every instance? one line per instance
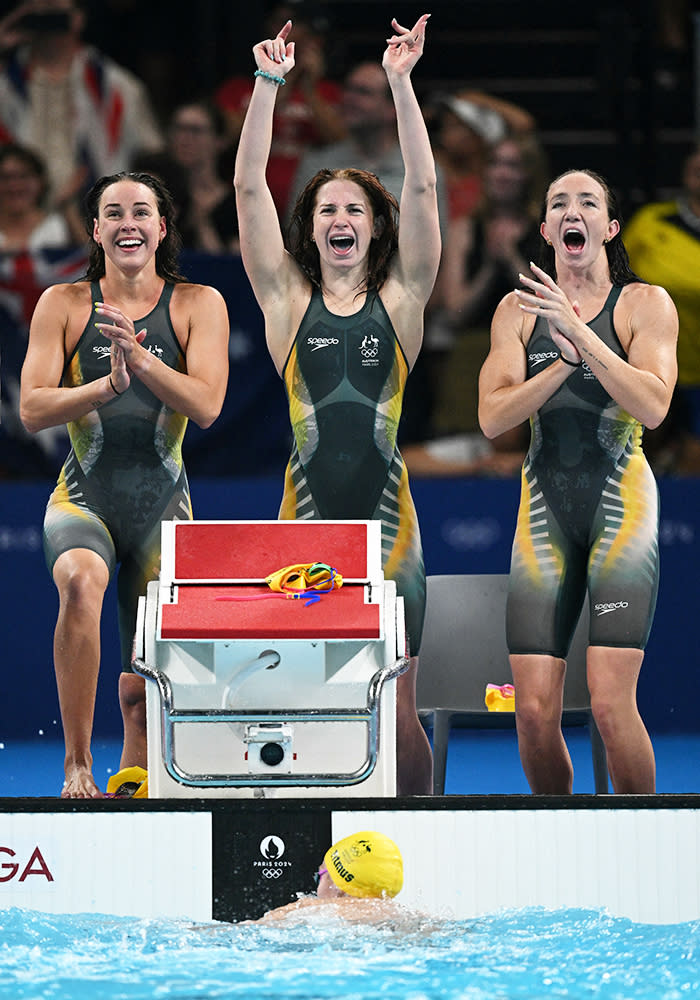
(359, 877)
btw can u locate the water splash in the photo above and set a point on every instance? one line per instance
(531, 953)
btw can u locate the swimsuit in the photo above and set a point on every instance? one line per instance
(124, 473)
(588, 514)
(345, 377)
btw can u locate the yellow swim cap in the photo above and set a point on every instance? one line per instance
(129, 783)
(366, 864)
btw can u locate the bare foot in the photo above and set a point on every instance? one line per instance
(80, 784)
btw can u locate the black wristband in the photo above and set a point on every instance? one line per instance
(571, 364)
(114, 389)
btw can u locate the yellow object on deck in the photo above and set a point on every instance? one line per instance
(500, 697)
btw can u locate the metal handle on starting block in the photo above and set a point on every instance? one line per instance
(171, 716)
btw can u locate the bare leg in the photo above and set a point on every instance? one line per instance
(539, 696)
(612, 681)
(414, 759)
(132, 699)
(81, 577)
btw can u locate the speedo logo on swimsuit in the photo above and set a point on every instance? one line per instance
(103, 351)
(604, 609)
(340, 868)
(538, 359)
(316, 343)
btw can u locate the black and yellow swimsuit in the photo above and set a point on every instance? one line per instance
(345, 378)
(588, 514)
(124, 473)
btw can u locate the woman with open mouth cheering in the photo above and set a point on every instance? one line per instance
(343, 305)
(587, 353)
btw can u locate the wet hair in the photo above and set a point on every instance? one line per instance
(619, 266)
(169, 248)
(31, 161)
(385, 212)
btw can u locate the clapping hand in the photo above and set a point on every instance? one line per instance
(120, 330)
(545, 298)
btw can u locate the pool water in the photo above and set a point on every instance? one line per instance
(529, 953)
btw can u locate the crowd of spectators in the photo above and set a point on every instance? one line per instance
(72, 110)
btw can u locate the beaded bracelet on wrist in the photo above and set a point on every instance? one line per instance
(279, 81)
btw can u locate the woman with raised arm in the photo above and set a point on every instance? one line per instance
(587, 353)
(123, 358)
(343, 305)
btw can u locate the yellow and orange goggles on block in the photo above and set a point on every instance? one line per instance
(304, 577)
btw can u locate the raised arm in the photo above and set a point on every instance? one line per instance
(12, 33)
(262, 246)
(419, 229)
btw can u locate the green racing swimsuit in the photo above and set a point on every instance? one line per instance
(124, 473)
(588, 514)
(345, 378)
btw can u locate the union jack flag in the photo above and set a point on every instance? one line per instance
(23, 277)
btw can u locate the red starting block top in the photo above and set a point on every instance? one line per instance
(252, 550)
(207, 612)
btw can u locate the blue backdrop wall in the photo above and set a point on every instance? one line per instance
(467, 526)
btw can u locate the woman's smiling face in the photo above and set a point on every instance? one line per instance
(130, 226)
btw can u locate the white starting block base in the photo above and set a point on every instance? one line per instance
(247, 715)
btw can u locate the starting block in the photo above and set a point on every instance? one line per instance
(254, 694)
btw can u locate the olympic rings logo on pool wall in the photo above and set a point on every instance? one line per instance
(271, 872)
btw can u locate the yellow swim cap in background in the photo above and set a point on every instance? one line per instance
(366, 864)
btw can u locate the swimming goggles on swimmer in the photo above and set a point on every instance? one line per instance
(320, 873)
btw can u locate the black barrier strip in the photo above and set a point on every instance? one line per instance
(435, 803)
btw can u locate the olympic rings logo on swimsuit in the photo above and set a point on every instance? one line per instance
(369, 348)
